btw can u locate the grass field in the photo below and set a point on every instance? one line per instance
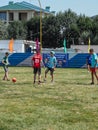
(70, 103)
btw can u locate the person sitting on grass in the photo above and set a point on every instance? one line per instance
(51, 64)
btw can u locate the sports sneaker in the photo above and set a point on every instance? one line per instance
(34, 82)
(39, 82)
(92, 83)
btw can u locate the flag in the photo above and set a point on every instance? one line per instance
(37, 44)
(64, 43)
(11, 45)
(89, 42)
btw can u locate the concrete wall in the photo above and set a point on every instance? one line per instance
(18, 46)
(84, 48)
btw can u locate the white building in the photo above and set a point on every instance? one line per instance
(21, 11)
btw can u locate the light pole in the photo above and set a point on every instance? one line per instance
(40, 25)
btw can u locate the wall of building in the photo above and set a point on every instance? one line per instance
(30, 15)
(16, 15)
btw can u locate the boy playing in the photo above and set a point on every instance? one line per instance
(94, 65)
(51, 64)
(36, 64)
(5, 66)
(88, 62)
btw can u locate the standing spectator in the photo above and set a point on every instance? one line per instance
(51, 64)
(94, 65)
(5, 63)
(36, 64)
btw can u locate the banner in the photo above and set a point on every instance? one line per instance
(62, 59)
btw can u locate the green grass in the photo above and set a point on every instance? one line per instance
(70, 103)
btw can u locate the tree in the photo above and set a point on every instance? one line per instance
(76, 29)
(33, 28)
(68, 28)
(17, 30)
(85, 25)
(3, 30)
(50, 32)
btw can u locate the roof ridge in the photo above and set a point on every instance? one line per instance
(33, 6)
(26, 4)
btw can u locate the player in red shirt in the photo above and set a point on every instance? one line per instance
(36, 64)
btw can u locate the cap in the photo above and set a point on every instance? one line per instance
(52, 52)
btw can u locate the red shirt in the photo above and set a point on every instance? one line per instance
(37, 58)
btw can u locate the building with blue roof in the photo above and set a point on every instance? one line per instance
(21, 11)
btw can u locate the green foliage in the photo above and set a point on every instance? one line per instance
(17, 30)
(3, 31)
(66, 22)
(33, 28)
(95, 40)
(84, 23)
(50, 32)
(76, 29)
(70, 103)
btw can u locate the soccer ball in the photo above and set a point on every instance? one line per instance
(14, 80)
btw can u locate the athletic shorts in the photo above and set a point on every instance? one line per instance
(93, 69)
(37, 70)
(5, 68)
(89, 64)
(50, 69)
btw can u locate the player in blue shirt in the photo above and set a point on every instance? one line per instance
(94, 65)
(88, 62)
(51, 64)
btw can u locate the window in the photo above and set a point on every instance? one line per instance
(22, 16)
(2, 15)
(11, 16)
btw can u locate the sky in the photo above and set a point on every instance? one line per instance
(87, 7)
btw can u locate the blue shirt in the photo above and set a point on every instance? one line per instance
(52, 62)
(94, 59)
(89, 59)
